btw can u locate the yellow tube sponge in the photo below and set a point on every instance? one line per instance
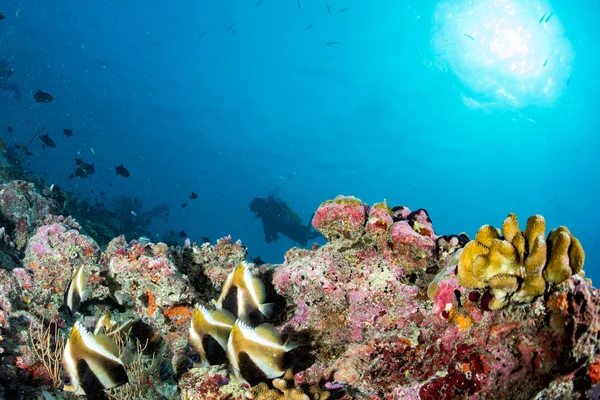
(502, 286)
(464, 275)
(510, 227)
(503, 260)
(576, 255)
(536, 260)
(531, 287)
(517, 265)
(558, 269)
(566, 256)
(486, 234)
(536, 226)
(518, 243)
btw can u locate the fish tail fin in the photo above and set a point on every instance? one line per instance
(291, 345)
(126, 355)
(266, 309)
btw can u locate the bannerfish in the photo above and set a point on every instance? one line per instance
(243, 295)
(108, 326)
(76, 292)
(209, 332)
(121, 170)
(257, 354)
(548, 17)
(193, 196)
(92, 363)
(42, 97)
(68, 132)
(542, 19)
(47, 141)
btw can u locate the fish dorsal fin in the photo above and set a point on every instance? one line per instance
(200, 313)
(258, 290)
(75, 338)
(122, 328)
(100, 344)
(269, 333)
(238, 274)
(104, 324)
(226, 288)
(224, 317)
(107, 344)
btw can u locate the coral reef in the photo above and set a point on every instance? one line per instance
(386, 309)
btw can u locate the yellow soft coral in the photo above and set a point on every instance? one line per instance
(284, 389)
(515, 264)
(566, 256)
(465, 276)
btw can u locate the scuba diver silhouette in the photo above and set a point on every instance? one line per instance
(5, 74)
(278, 217)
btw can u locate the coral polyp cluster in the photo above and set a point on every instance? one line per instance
(515, 264)
(285, 388)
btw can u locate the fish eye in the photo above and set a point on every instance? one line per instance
(195, 358)
(66, 380)
(74, 255)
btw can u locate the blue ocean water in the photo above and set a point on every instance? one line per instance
(394, 109)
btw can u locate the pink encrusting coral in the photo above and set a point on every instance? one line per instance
(24, 207)
(343, 217)
(151, 287)
(52, 255)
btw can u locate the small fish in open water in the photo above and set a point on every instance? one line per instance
(42, 97)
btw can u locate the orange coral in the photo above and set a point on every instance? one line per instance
(595, 372)
(151, 304)
(463, 321)
(178, 314)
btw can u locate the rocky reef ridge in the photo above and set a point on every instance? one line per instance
(386, 309)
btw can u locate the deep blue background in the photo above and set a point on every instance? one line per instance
(270, 107)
